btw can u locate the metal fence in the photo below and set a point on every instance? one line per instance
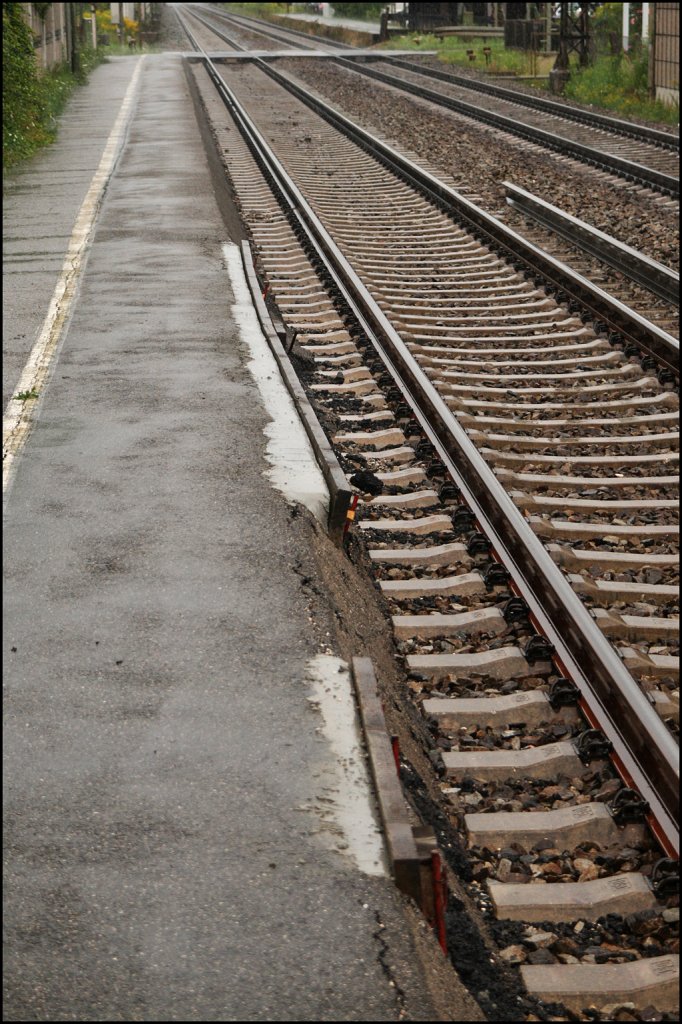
(666, 52)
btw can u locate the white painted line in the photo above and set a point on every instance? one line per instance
(294, 470)
(345, 805)
(19, 415)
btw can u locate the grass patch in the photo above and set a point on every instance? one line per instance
(24, 396)
(256, 10)
(620, 83)
(453, 50)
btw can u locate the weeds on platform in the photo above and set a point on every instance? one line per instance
(25, 396)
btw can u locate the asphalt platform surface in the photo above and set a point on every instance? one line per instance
(161, 750)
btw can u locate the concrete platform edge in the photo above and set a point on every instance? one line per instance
(407, 862)
(339, 492)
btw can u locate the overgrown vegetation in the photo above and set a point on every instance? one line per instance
(620, 83)
(21, 123)
(361, 11)
(32, 100)
(258, 10)
(108, 33)
(453, 50)
(616, 80)
(613, 80)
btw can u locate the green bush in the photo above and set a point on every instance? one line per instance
(619, 83)
(454, 50)
(22, 127)
(32, 100)
(368, 11)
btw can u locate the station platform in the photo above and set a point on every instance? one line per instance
(372, 28)
(180, 839)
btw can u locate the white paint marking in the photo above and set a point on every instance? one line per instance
(294, 470)
(19, 416)
(349, 800)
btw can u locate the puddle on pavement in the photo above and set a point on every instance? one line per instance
(294, 470)
(348, 809)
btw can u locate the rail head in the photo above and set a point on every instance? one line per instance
(654, 276)
(566, 282)
(653, 136)
(649, 176)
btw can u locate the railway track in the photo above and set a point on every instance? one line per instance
(653, 276)
(514, 459)
(638, 154)
(619, 212)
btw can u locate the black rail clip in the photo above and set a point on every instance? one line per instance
(563, 693)
(592, 745)
(538, 648)
(631, 352)
(463, 519)
(449, 491)
(628, 806)
(515, 610)
(666, 376)
(649, 363)
(368, 482)
(496, 575)
(665, 877)
(477, 544)
(424, 449)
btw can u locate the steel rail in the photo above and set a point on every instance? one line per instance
(617, 165)
(276, 33)
(664, 183)
(652, 136)
(524, 254)
(643, 749)
(653, 276)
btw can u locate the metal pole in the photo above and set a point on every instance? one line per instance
(652, 55)
(94, 26)
(584, 56)
(626, 27)
(645, 23)
(67, 32)
(72, 37)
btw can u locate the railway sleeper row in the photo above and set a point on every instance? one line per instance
(504, 111)
(480, 657)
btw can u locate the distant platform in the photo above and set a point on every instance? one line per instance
(325, 21)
